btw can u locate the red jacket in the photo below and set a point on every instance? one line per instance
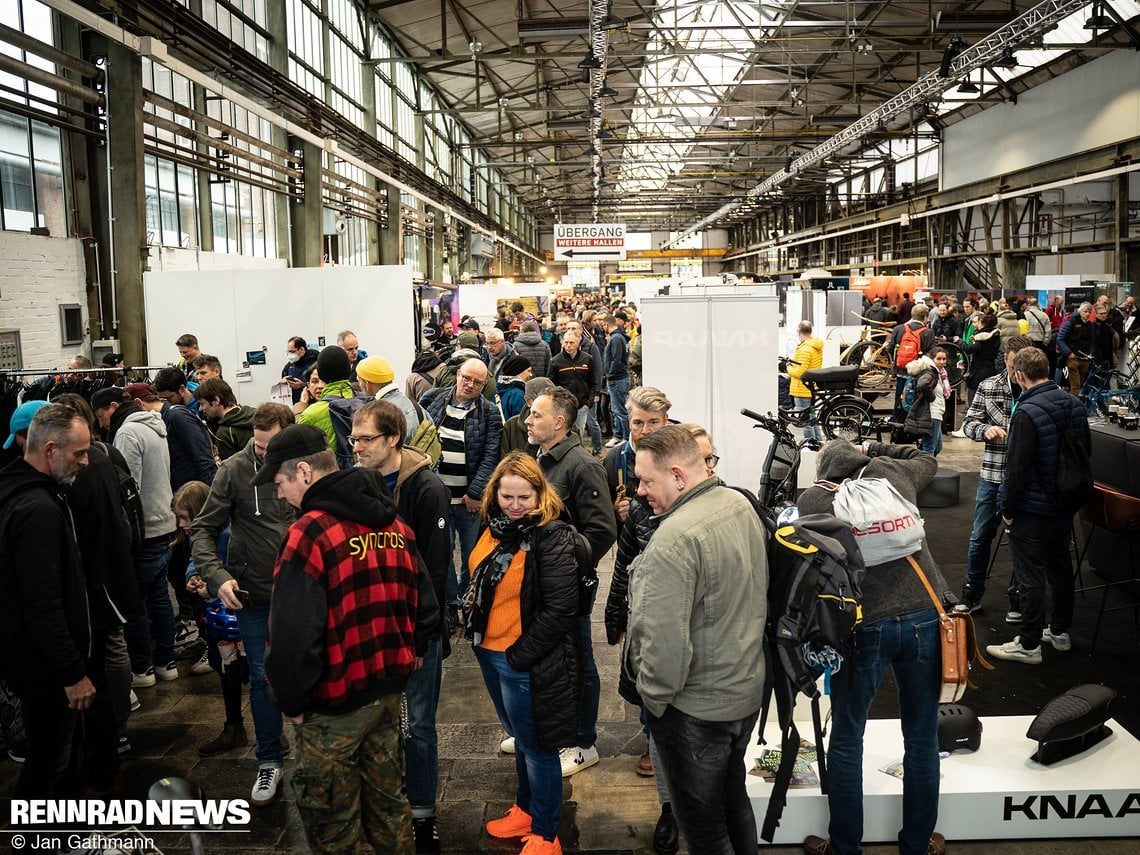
(352, 603)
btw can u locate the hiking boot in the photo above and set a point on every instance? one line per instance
(817, 845)
(232, 736)
(507, 746)
(535, 845)
(265, 786)
(574, 760)
(645, 765)
(426, 834)
(666, 839)
(514, 823)
(1059, 640)
(1012, 651)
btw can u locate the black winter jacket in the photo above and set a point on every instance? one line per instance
(191, 457)
(104, 539)
(918, 420)
(635, 533)
(580, 482)
(1043, 413)
(576, 375)
(985, 357)
(45, 633)
(548, 646)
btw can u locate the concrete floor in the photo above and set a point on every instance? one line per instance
(607, 809)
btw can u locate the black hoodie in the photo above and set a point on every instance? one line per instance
(45, 633)
(353, 603)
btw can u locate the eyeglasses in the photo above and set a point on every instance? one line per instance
(471, 381)
(364, 440)
(712, 460)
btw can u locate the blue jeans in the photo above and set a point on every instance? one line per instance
(933, 443)
(986, 522)
(580, 422)
(618, 390)
(465, 529)
(151, 561)
(591, 687)
(253, 622)
(1041, 554)
(593, 427)
(705, 772)
(539, 770)
(812, 429)
(421, 780)
(910, 645)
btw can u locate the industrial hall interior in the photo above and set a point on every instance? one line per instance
(592, 426)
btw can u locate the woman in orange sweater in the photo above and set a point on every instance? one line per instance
(521, 614)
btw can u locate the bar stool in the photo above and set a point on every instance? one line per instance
(1122, 518)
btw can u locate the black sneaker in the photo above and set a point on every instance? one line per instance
(18, 750)
(427, 835)
(968, 605)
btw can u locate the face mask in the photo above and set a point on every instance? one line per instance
(293, 357)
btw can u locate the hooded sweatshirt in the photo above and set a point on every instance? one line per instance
(893, 588)
(234, 430)
(536, 350)
(140, 436)
(809, 355)
(351, 606)
(258, 523)
(45, 633)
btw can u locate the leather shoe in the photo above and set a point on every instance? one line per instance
(817, 845)
(937, 844)
(665, 838)
(232, 736)
(645, 765)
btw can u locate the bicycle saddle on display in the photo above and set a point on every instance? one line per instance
(835, 372)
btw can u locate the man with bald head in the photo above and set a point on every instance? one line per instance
(470, 429)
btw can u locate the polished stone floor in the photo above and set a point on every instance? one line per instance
(607, 809)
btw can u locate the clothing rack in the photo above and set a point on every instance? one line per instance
(45, 372)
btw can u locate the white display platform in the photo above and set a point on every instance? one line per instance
(996, 793)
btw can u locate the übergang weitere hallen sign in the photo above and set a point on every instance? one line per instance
(589, 242)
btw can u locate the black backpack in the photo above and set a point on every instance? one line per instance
(815, 575)
(1074, 485)
(132, 507)
(341, 411)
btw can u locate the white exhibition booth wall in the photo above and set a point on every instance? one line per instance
(238, 312)
(713, 355)
(481, 300)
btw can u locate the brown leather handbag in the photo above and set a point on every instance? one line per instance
(959, 645)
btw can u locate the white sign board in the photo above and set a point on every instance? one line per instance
(589, 242)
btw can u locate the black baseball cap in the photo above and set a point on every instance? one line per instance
(106, 397)
(293, 442)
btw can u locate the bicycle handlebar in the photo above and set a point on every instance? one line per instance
(756, 417)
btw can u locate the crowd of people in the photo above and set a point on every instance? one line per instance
(313, 549)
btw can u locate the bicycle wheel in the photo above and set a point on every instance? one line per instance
(847, 418)
(957, 362)
(872, 373)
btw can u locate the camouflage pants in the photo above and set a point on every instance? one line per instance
(349, 781)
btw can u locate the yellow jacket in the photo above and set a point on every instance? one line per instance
(809, 355)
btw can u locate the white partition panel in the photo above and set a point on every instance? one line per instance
(234, 312)
(713, 355)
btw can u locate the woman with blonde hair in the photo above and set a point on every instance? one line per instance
(521, 614)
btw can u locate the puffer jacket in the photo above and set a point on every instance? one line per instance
(482, 436)
(548, 647)
(537, 352)
(809, 355)
(1008, 325)
(925, 374)
(1075, 335)
(986, 359)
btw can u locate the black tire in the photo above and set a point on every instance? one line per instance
(847, 418)
(957, 362)
(872, 375)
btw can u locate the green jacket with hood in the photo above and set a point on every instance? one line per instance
(233, 431)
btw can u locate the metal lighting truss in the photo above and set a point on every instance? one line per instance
(1037, 21)
(599, 46)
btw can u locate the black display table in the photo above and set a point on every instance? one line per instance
(1116, 464)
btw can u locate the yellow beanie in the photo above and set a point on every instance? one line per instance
(375, 370)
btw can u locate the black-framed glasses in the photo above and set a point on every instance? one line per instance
(471, 380)
(364, 440)
(712, 460)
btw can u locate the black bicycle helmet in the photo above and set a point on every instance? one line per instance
(959, 728)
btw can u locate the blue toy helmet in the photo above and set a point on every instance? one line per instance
(221, 623)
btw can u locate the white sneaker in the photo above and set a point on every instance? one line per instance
(1059, 640)
(610, 443)
(1012, 651)
(957, 434)
(135, 704)
(202, 666)
(1013, 617)
(576, 759)
(141, 681)
(507, 746)
(265, 786)
(167, 672)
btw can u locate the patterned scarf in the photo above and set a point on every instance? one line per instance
(512, 535)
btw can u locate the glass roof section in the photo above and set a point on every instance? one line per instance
(697, 55)
(1071, 31)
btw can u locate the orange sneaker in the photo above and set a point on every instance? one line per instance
(514, 823)
(536, 845)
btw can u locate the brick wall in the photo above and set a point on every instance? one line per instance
(37, 275)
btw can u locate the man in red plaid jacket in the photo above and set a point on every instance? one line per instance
(350, 617)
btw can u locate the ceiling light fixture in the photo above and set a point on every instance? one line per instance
(968, 87)
(1006, 60)
(590, 61)
(1099, 20)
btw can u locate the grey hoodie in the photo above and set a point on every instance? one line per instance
(536, 350)
(141, 439)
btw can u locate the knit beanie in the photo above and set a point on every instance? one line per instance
(514, 365)
(374, 369)
(333, 364)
